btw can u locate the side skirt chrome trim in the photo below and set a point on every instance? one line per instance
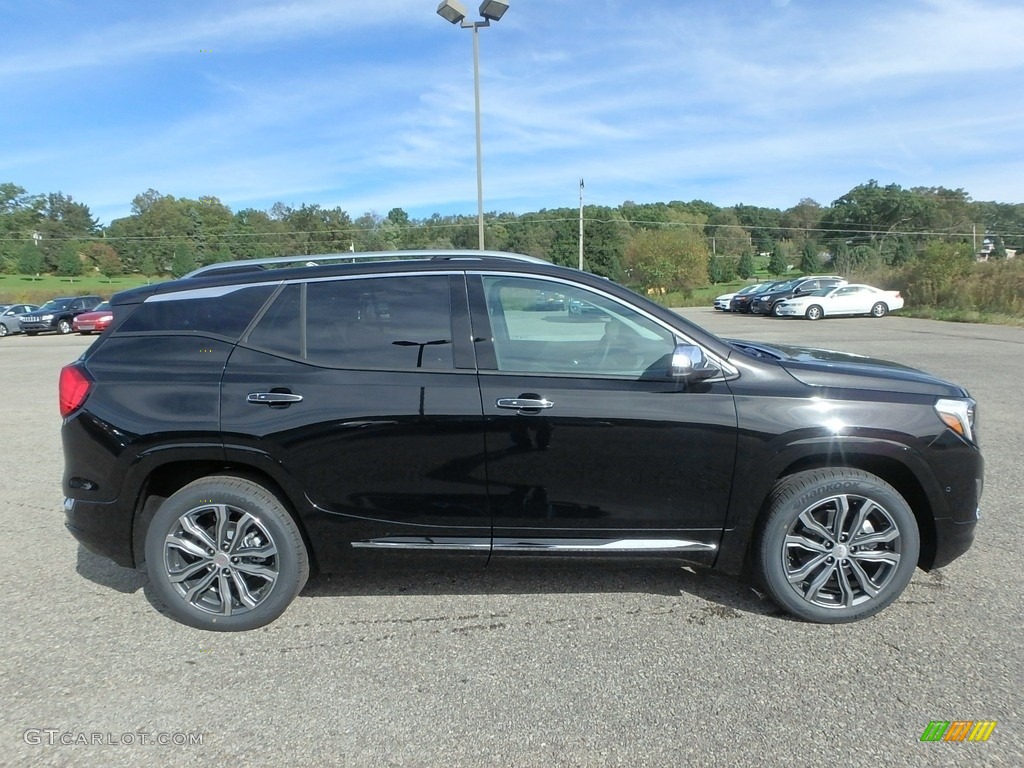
(543, 545)
(426, 542)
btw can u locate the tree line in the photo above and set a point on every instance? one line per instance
(658, 247)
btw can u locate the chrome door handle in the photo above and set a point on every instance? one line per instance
(523, 403)
(273, 398)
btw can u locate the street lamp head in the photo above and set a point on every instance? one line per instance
(451, 10)
(492, 10)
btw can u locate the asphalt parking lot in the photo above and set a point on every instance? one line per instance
(521, 665)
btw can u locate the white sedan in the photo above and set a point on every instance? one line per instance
(844, 300)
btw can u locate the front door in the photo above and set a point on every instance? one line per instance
(590, 443)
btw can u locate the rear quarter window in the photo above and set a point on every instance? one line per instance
(220, 314)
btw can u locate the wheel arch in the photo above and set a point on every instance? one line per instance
(166, 479)
(736, 551)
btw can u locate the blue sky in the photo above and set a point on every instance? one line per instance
(369, 105)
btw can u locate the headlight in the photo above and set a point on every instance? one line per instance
(958, 415)
(46, 317)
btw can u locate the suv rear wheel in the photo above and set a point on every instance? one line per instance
(837, 545)
(223, 554)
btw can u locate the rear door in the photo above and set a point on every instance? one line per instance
(361, 392)
(590, 444)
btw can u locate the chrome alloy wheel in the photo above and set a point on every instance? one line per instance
(221, 559)
(842, 551)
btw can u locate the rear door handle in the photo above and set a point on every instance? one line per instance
(524, 403)
(273, 398)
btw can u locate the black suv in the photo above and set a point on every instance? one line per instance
(766, 302)
(239, 427)
(742, 302)
(57, 314)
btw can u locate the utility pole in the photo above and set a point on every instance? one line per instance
(581, 225)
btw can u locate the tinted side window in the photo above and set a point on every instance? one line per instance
(225, 314)
(391, 322)
(279, 328)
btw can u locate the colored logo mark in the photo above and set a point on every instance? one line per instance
(958, 730)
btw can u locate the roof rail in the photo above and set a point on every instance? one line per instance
(347, 257)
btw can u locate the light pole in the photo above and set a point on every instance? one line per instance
(455, 12)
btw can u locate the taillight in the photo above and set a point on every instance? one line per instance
(74, 388)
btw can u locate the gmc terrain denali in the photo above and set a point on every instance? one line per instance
(253, 421)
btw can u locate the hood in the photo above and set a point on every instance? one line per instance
(827, 368)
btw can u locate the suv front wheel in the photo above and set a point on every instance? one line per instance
(837, 545)
(223, 554)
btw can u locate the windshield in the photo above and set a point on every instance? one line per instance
(55, 304)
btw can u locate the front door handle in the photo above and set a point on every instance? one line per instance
(273, 398)
(524, 403)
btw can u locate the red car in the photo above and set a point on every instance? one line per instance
(95, 321)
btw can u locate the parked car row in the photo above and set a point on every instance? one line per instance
(80, 314)
(811, 297)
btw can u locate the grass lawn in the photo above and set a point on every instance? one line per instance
(25, 289)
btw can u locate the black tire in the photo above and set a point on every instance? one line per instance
(816, 566)
(3, 330)
(881, 309)
(225, 535)
(776, 309)
(814, 312)
(63, 326)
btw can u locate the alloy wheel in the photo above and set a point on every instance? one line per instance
(842, 551)
(221, 559)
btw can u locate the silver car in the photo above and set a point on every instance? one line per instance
(9, 313)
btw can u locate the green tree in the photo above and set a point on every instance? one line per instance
(106, 259)
(670, 259)
(901, 253)
(69, 262)
(148, 266)
(802, 221)
(864, 258)
(869, 213)
(183, 261)
(746, 268)
(30, 260)
(764, 224)
(721, 269)
(810, 262)
(778, 264)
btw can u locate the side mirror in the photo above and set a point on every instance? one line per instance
(689, 363)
